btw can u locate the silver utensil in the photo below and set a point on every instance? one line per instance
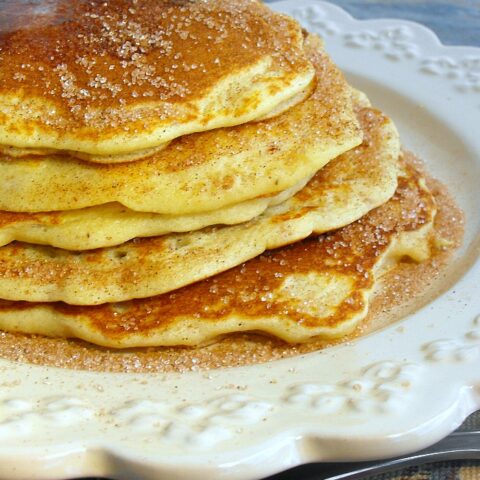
(457, 446)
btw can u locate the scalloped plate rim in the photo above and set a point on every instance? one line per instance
(357, 397)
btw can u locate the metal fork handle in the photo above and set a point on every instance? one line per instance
(457, 446)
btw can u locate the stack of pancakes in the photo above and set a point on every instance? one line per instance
(174, 171)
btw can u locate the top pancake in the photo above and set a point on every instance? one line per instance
(203, 171)
(113, 80)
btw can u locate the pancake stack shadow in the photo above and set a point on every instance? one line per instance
(172, 172)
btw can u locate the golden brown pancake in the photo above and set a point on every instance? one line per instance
(319, 287)
(113, 224)
(109, 81)
(199, 172)
(340, 193)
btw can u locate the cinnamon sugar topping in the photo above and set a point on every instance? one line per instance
(111, 54)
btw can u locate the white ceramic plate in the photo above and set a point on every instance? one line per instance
(395, 391)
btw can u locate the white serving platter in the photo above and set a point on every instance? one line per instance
(394, 391)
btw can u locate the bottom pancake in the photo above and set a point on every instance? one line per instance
(317, 288)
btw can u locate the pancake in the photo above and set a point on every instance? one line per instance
(111, 80)
(204, 171)
(112, 224)
(7, 151)
(317, 288)
(340, 193)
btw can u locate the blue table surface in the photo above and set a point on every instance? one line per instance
(456, 22)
